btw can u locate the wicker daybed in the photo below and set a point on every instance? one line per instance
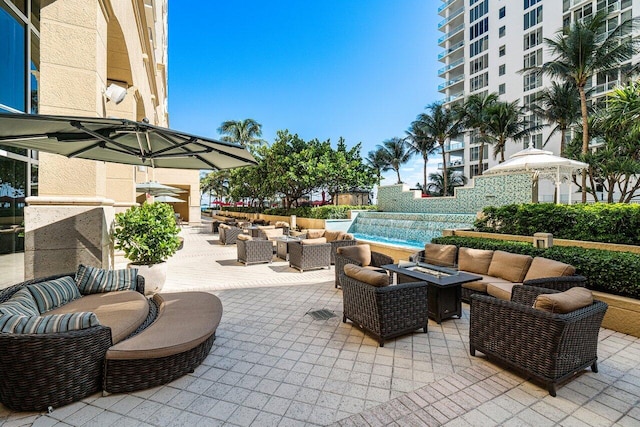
(138, 343)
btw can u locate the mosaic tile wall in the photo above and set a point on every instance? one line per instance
(483, 191)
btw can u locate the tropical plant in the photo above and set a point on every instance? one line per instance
(147, 234)
(506, 121)
(438, 180)
(473, 116)
(584, 50)
(244, 132)
(422, 144)
(216, 183)
(396, 154)
(558, 105)
(343, 170)
(377, 161)
(441, 125)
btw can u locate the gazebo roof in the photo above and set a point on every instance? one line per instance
(535, 160)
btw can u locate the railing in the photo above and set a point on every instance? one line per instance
(453, 97)
(451, 33)
(451, 49)
(445, 5)
(450, 82)
(450, 17)
(605, 87)
(450, 66)
(454, 146)
(453, 164)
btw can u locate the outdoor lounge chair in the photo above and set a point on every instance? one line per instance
(548, 347)
(305, 256)
(385, 311)
(351, 256)
(254, 251)
(229, 234)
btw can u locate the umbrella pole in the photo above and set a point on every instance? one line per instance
(558, 185)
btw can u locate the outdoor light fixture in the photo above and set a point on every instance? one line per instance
(115, 93)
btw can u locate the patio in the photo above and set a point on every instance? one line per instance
(273, 364)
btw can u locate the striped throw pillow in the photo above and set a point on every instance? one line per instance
(54, 293)
(21, 303)
(52, 323)
(92, 280)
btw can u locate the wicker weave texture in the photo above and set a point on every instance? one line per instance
(377, 260)
(385, 312)
(130, 375)
(307, 257)
(254, 251)
(339, 244)
(547, 347)
(229, 236)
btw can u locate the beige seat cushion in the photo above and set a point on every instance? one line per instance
(544, 267)
(185, 320)
(244, 237)
(360, 253)
(444, 255)
(501, 290)
(122, 311)
(316, 241)
(564, 302)
(481, 285)
(474, 260)
(365, 275)
(272, 233)
(332, 236)
(266, 227)
(314, 233)
(347, 236)
(508, 266)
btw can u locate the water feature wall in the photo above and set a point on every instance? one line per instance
(410, 219)
(491, 190)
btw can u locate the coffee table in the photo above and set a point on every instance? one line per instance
(282, 246)
(444, 291)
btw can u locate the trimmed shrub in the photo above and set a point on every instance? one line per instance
(320, 212)
(606, 271)
(598, 222)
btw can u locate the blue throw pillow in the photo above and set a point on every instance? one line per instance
(21, 303)
(54, 293)
(92, 280)
(52, 323)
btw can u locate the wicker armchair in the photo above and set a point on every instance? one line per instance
(305, 257)
(377, 260)
(229, 235)
(54, 369)
(335, 244)
(548, 347)
(254, 251)
(386, 312)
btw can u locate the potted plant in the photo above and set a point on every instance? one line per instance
(148, 235)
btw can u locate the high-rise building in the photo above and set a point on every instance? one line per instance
(486, 44)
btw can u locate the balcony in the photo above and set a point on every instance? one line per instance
(452, 65)
(605, 87)
(445, 5)
(454, 146)
(458, 163)
(451, 49)
(451, 33)
(450, 17)
(453, 97)
(450, 82)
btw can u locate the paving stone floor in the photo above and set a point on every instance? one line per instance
(272, 364)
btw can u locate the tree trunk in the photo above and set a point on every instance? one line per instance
(398, 172)
(480, 155)
(424, 174)
(445, 182)
(562, 135)
(585, 137)
(502, 144)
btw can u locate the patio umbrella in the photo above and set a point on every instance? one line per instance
(120, 141)
(155, 188)
(543, 163)
(168, 199)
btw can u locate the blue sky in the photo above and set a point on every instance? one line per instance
(358, 69)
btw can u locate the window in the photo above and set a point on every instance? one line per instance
(12, 57)
(502, 31)
(502, 51)
(529, 100)
(531, 81)
(474, 153)
(503, 12)
(501, 89)
(583, 13)
(478, 82)
(533, 18)
(479, 64)
(479, 28)
(532, 39)
(533, 59)
(479, 46)
(474, 168)
(479, 11)
(502, 70)
(534, 140)
(529, 3)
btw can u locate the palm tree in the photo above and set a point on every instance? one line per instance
(396, 154)
(244, 132)
(422, 143)
(584, 50)
(378, 161)
(506, 121)
(437, 181)
(440, 126)
(558, 105)
(474, 116)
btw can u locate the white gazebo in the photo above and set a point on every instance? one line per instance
(544, 164)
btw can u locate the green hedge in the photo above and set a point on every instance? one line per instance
(606, 271)
(598, 222)
(320, 212)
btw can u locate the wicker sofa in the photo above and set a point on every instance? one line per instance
(130, 343)
(360, 255)
(547, 346)
(500, 270)
(337, 239)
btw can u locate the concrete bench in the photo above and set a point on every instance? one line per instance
(173, 345)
